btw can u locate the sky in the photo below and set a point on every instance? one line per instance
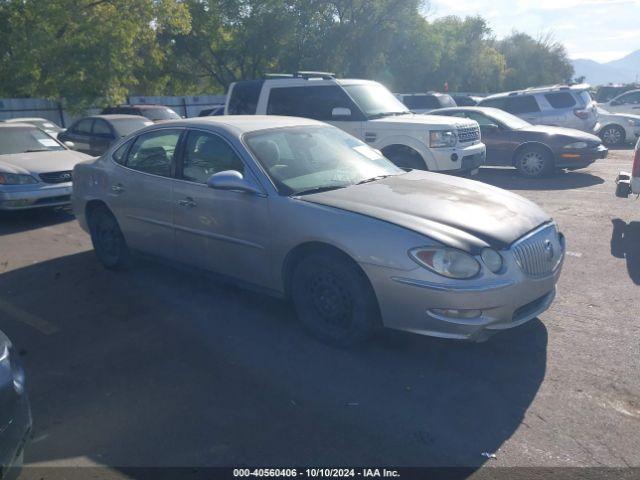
(601, 30)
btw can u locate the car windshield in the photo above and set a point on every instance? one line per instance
(125, 126)
(509, 120)
(26, 139)
(303, 160)
(45, 124)
(375, 100)
(161, 114)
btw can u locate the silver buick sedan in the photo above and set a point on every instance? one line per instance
(303, 210)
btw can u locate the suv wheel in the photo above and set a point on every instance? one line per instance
(534, 162)
(108, 240)
(612, 135)
(333, 299)
(405, 157)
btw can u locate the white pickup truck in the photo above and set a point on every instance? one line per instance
(629, 183)
(368, 111)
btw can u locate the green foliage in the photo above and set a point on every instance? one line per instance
(100, 51)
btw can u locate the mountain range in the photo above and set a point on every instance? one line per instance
(623, 70)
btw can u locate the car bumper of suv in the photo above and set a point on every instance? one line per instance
(460, 159)
(578, 158)
(21, 197)
(418, 301)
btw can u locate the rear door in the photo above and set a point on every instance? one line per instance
(223, 231)
(141, 191)
(102, 136)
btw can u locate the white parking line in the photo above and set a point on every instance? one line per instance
(40, 324)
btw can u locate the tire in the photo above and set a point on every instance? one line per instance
(534, 162)
(612, 135)
(334, 300)
(406, 158)
(108, 240)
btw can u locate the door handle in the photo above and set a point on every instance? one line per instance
(117, 188)
(187, 202)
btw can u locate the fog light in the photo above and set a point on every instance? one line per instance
(454, 157)
(455, 313)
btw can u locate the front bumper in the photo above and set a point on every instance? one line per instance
(407, 300)
(627, 185)
(579, 158)
(38, 195)
(461, 158)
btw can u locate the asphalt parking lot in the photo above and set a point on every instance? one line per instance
(161, 367)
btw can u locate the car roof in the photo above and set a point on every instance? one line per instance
(117, 116)
(239, 124)
(141, 106)
(26, 119)
(547, 89)
(16, 125)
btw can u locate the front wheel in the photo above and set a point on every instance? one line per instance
(334, 299)
(534, 162)
(612, 135)
(108, 240)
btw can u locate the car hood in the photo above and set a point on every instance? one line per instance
(41, 162)
(567, 132)
(461, 213)
(437, 121)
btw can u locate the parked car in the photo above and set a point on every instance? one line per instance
(604, 93)
(629, 183)
(368, 111)
(94, 135)
(212, 112)
(627, 102)
(35, 168)
(15, 413)
(617, 128)
(303, 210)
(155, 113)
(535, 150)
(43, 124)
(466, 100)
(560, 105)
(426, 102)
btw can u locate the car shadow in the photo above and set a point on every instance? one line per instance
(159, 367)
(625, 243)
(21, 221)
(509, 178)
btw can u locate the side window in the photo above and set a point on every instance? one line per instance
(560, 100)
(493, 102)
(308, 102)
(119, 154)
(244, 97)
(481, 119)
(153, 152)
(206, 154)
(522, 104)
(83, 126)
(100, 127)
(632, 97)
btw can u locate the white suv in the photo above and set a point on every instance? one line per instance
(368, 111)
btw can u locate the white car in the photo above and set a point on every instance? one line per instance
(627, 102)
(43, 124)
(369, 112)
(617, 128)
(629, 183)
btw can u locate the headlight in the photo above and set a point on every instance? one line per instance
(442, 138)
(492, 259)
(577, 145)
(448, 262)
(16, 179)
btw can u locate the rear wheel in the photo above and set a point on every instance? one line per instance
(534, 162)
(334, 299)
(108, 240)
(612, 135)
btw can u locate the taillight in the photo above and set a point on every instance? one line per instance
(635, 172)
(581, 113)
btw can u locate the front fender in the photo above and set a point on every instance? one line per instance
(411, 142)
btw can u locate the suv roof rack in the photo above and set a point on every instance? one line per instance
(278, 75)
(303, 74)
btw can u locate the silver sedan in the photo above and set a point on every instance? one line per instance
(303, 210)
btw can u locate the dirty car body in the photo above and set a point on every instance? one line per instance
(307, 187)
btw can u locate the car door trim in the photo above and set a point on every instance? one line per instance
(218, 236)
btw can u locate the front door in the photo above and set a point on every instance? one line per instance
(223, 231)
(141, 192)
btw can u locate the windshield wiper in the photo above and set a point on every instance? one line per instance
(324, 188)
(373, 179)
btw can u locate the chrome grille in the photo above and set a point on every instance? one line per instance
(540, 253)
(470, 133)
(56, 177)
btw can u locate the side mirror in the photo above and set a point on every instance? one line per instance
(69, 144)
(340, 112)
(232, 180)
(489, 128)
